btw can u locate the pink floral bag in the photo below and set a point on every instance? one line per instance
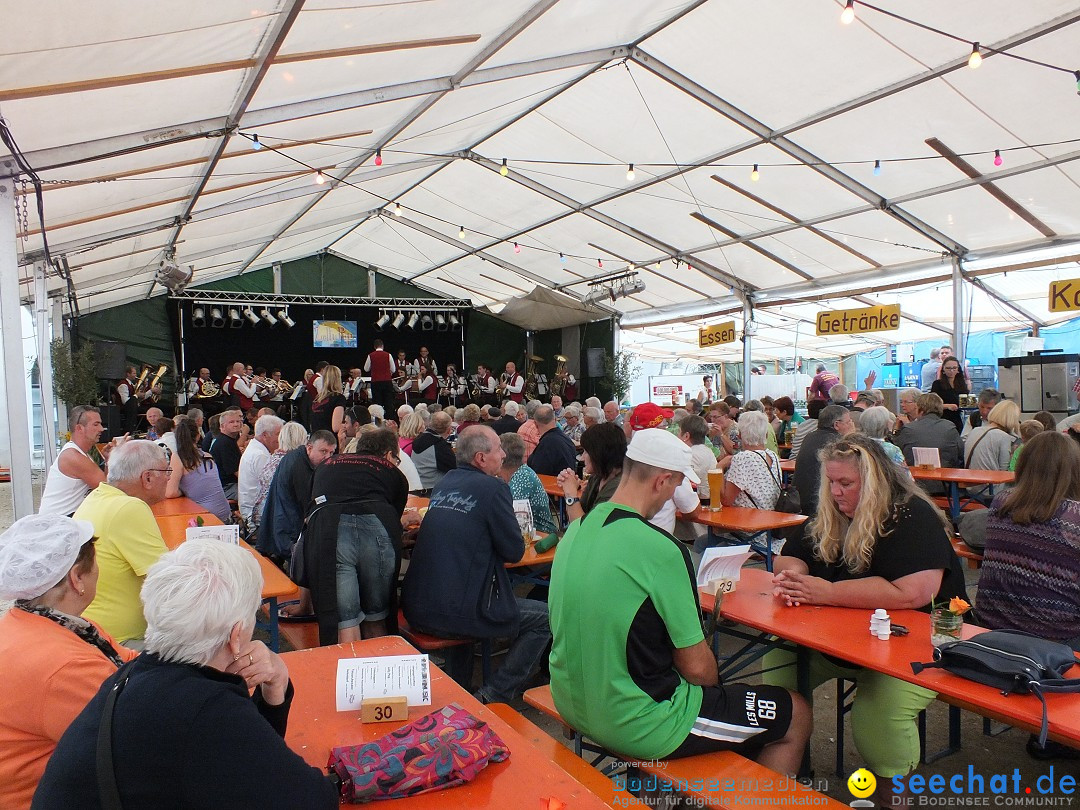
(442, 749)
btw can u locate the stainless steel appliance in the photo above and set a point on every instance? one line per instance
(1040, 382)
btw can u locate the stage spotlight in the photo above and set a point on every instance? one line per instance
(455, 321)
(198, 316)
(268, 316)
(235, 321)
(399, 319)
(426, 323)
(249, 313)
(440, 322)
(283, 316)
(413, 319)
(384, 319)
(217, 319)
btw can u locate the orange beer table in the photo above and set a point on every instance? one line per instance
(315, 727)
(843, 633)
(275, 584)
(178, 506)
(755, 522)
(955, 477)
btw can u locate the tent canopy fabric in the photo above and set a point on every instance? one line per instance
(142, 124)
(543, 308)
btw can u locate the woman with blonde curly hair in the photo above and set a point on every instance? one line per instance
(877, 542)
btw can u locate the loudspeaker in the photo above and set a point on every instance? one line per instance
(110, 359)
(595, 359)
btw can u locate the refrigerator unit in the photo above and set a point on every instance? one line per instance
(1040, 382)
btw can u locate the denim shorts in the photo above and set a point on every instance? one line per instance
(365, 567)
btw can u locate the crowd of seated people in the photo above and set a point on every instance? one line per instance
(874, 539)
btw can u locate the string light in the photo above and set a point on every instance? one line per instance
(630, 173)
(877, 168)
(755, 174)
(976, 58)
(600, 263)
(847, 16)
(397, 210)
(461, 233)
(504, 170)
(562, 259)
(255, 142)
(997, 157)
(378, 157)
(1076, 75)
(320, 178)
(517, 248)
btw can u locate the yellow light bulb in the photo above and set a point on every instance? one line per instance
(630, 173)
(847, 16)
(755, 174)
(320, 178)
(976, 58)
(504, 170)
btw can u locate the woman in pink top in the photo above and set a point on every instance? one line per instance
(53, 660)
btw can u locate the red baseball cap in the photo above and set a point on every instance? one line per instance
(649, 415)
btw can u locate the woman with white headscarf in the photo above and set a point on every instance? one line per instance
(185, 729)
(53, 660)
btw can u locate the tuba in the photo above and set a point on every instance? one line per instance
(558, 381)
(532, 388)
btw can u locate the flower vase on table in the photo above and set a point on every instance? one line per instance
(947, 623)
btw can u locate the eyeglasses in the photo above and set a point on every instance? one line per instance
(167, 470)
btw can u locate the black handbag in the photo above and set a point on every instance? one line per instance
(788, 500)
(1011, 661)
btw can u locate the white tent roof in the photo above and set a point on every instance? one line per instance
(139, 119)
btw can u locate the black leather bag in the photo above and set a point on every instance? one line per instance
(788, 500)
(1010, 661)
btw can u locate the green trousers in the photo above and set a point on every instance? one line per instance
(882, 716)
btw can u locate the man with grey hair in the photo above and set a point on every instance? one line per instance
(403, 411)
(128, 538)
(508, 422)
(73, 474)
(574, 427)
(840, 394)
(257, 453)
(833, 422)
(988, 398)
(592, 415)
(461, 589)
(554, 451)
(594, 402)
(226, 449)
(611, 413)
(930, 370)
(432, 453)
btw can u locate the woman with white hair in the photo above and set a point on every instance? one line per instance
(185, 730)
(292, 435)
(877, 424)
(53, 660)
(754, 476)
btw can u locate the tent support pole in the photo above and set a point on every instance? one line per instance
(747, 317)
(959, 348)
(58, 332)
(45, 370)
(11, 337)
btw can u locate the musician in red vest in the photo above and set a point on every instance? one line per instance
(514, 384)
(427, 384)
(238, 389)
(381, 366)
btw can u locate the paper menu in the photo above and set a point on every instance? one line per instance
(722, 562)
(227, 534)
(384, 676)
(926, 457)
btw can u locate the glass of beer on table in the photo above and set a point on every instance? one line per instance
(716, 490)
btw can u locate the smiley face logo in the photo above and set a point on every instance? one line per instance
(861, 783)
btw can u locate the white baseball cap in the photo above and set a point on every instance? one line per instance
(658, 448)
(37, 551)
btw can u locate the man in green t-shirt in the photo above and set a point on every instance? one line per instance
(630, 667)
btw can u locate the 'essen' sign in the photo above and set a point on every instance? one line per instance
(717, 334)
(857, 321)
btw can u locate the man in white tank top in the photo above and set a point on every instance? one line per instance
(74, 474)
